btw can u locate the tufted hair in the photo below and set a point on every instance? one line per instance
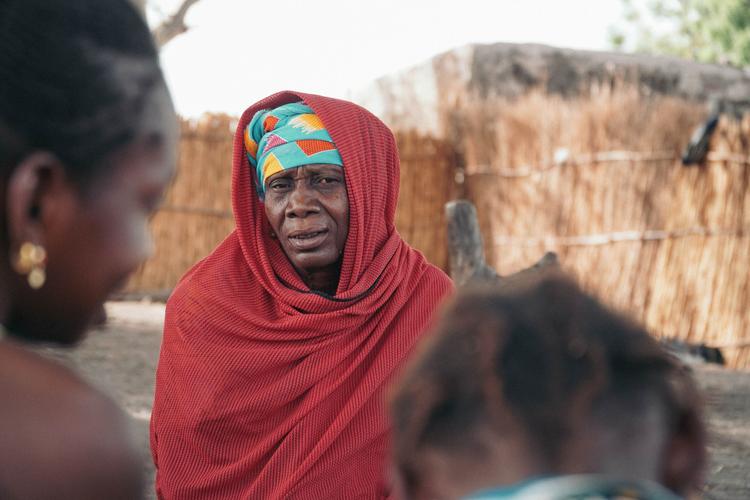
(542, 353)
(74, 76)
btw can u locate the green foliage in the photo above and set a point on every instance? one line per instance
(715, 31)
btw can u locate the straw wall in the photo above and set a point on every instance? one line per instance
(427, 184)
(596, 179)
(648, 235)
(197, 212)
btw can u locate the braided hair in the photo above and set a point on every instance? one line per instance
(543, 353)
(74, 77)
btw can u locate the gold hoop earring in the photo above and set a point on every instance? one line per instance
(31, 262)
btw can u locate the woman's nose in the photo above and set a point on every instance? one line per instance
(302, 200)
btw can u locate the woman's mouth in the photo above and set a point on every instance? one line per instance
(307, 240)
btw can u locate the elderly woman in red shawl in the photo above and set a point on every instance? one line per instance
(278, 346)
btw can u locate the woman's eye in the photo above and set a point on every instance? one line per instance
(279, 184)
(329, 180)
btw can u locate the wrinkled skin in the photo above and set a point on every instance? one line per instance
(308, 211)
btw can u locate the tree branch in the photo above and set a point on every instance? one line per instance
(173, 26)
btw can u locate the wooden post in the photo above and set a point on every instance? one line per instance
(466, 250)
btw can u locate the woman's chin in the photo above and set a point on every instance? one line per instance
(62, 331)
(62, 339)
(99, 317)
(320, 259)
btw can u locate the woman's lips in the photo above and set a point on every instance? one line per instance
(308, 239)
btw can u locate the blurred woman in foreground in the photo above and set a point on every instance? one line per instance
(87, 134)
(534, 390)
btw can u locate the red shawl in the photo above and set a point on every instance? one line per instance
(265, 389)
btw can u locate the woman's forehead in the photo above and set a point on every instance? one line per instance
(305, 170)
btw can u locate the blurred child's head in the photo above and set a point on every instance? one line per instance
(537, 378)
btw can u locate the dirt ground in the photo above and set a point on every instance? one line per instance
(120, 358)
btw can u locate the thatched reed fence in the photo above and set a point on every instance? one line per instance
(197, 211)
(427, 184)
(596, 179)
(668, 243)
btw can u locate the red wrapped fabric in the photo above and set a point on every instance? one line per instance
(266, 389)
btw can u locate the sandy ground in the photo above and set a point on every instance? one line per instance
(120, 358)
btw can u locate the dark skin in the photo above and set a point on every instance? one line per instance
(308, 210)
(60, 438)
(95, 232)
(66, 439)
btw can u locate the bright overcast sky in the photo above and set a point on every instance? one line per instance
(238, 51)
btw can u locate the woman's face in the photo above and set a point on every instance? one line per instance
(308, 210)
(100, 233)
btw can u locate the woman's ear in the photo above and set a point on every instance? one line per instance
(38, 197)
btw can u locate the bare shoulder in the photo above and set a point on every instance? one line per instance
(60, 438)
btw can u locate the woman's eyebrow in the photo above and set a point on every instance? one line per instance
(328, 170)
(284, 174)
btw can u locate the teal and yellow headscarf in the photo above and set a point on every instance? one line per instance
(289, 136)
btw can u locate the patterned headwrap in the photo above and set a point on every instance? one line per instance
(289, 136)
